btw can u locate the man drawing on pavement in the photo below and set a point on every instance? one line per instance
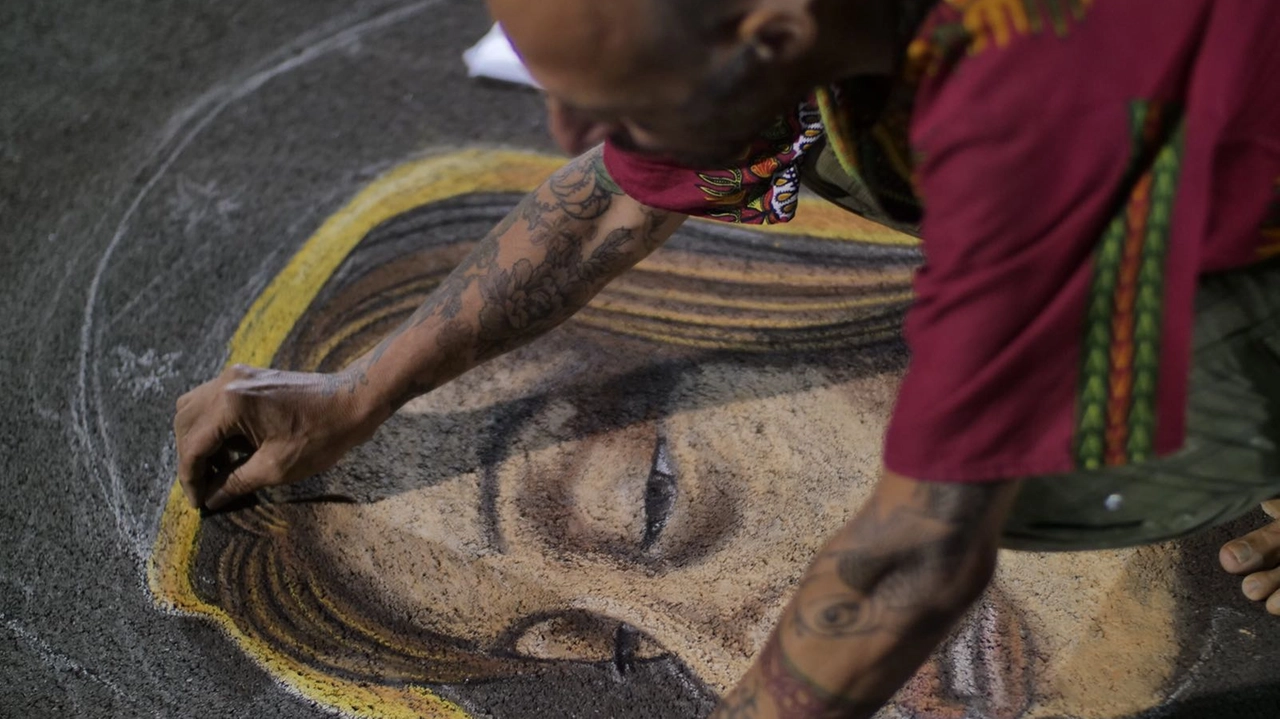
(1096, 331)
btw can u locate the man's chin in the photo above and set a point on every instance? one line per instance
(711, 160)
(722, 154)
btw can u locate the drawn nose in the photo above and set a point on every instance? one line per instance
(573, 132)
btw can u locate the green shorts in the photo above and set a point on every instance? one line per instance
(1231, 459)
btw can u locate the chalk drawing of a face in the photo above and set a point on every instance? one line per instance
(649, 480)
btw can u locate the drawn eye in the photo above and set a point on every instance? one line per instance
(659, 494)
(586, 637)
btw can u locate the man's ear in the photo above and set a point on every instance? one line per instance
(778, 30)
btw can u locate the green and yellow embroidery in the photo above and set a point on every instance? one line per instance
(971, 27)
(995, 23)
(1116, 414)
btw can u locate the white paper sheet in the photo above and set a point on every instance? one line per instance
(493, 57)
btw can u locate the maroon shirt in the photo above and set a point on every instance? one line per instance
(1080, 164)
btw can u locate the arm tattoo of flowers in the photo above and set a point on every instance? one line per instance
(529, 297)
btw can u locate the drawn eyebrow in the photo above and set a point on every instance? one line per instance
(494, 447)
(490, 525)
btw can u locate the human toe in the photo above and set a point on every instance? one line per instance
(1259, 549)
(1261, 585)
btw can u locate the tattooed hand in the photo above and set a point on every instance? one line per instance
(547, 259)
(249, 429)
(876, 601)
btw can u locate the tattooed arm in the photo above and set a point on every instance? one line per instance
(877, 600)
(541, 264)
(552, 254)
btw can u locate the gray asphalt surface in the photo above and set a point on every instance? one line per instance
(159, 163)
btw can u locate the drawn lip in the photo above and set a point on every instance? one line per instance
(983, 669)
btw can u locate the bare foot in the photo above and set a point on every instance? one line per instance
(1257, 554)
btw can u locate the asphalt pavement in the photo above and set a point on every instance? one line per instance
(160, 163)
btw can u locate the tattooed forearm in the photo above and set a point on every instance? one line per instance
(895, 549)
(527, 299)
(585, 195)
(795, 696)
(445, 302)
(880, 597)
(584, 191)
(546, 260)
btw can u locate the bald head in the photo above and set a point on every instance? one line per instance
(685, 78)
(611, 41)
(556, 35)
